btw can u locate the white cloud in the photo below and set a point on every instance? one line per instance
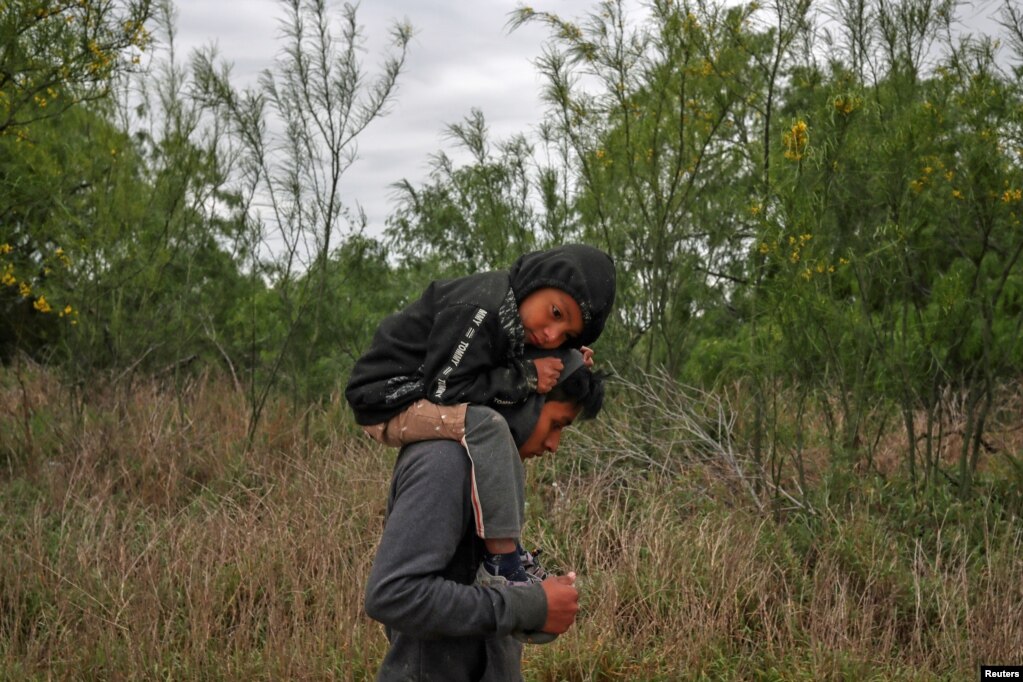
(462, 56)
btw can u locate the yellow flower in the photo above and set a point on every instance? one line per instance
(6, 248)
(957, 194)
(796, 140)
(41, 305)
(8, 279)
(1011, 195)
(25, 290)
(846, 105)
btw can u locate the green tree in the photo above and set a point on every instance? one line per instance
(59, 54)
(483, 214)
(645, 113)
(888, 253)
(56, 58)
(295, 138)
(811, 198)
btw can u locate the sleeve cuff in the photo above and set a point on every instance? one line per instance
(529, 606)
(529, 369)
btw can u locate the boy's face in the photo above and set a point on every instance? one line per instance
(550, 317)
(554, 418)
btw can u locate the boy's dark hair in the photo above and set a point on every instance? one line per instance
(584, 388)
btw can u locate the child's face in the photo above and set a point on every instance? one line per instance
(550, 317)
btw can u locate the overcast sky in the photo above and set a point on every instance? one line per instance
(462, 56)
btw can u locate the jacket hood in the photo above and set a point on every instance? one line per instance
(583, 272)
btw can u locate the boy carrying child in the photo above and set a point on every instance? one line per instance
(440, 367)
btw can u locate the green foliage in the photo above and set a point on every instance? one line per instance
(56, 57)
(59, 54)
(359, 288)
(895, 236)
(828, 219)
(478, 216)
(321, 96)
(844, 227)
(652, 176)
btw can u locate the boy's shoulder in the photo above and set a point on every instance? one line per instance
(486, 290)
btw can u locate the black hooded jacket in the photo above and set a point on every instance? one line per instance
(462, 340)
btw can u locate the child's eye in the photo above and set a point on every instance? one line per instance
(555, 312)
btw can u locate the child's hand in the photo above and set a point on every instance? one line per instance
(587, 355)
(548, 370)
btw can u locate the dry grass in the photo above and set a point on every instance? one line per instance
(141, 541)
(145, 543)
(676, 589)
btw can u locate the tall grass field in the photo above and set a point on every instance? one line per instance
(142, 537)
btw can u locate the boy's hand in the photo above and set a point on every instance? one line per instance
(562, 603)
(587, 355)
(547, 372)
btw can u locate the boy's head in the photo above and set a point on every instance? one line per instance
(579, 395)
(537, 423)
(551, 318)
(564, 294)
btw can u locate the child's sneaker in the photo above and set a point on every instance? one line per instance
(503, 569)
(485, 577)
(536, 572)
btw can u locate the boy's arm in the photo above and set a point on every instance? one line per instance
(463, 365)
(425, 525)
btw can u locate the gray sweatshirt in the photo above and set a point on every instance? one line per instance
(440, 626)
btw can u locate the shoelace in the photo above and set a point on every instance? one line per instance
(532, 566)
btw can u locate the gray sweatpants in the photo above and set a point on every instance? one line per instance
(498, 479)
